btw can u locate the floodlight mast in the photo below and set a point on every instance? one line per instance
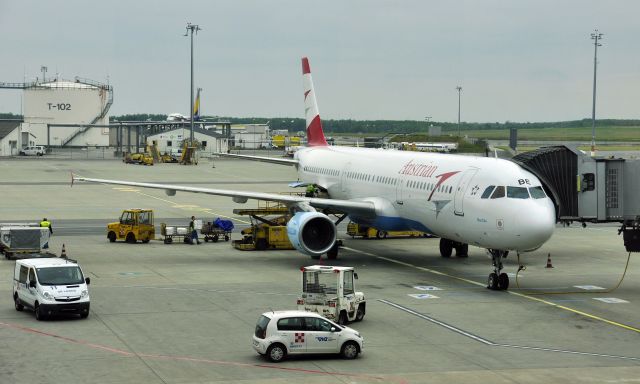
(596, 37)
(191, 28)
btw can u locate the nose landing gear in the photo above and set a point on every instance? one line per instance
(498, 280)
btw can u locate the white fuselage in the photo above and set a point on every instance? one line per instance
(437, 193)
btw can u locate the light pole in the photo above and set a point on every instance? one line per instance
(44, 70)
(191, 28)
(459, 88)
(596, 37)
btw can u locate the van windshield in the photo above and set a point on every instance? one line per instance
(60, 275)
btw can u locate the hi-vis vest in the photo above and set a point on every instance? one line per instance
(46, 224)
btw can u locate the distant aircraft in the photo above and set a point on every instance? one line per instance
(486, 202)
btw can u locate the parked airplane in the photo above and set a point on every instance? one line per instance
(487, 202)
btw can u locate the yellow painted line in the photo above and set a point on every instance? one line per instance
(577, 312)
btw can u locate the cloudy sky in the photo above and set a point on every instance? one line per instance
(526, 60)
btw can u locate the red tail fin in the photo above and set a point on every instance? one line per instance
(315, 135)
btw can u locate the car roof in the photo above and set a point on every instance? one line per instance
(280, 314)
(45, 263)
(326, 268)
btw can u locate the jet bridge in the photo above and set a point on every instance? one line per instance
(589, 189)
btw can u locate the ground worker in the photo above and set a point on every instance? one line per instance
(194, 232)
(311, 191)
(46, 224)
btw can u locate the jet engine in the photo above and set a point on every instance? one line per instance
(312, 233)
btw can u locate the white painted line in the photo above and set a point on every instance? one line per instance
(589, 287)
(427, 288)
(610, 300)
(423, 296)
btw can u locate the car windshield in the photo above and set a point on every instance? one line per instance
(60, 275)
(517, 193)
(537, 192)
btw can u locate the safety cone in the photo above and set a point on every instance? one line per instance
(549, 265)
(63, 253)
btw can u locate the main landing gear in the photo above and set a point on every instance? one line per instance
(447, 246)
(498, 281)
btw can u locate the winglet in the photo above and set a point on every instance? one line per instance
(315, 135)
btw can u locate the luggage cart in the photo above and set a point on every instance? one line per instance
(217, 229)
(171, 233)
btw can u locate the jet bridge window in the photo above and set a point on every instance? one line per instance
(537, 192)
(487, 192)
(517, 193)
(498, 193)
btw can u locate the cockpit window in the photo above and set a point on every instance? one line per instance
(517, 193)
(487, 192)
(537, 192)
(498, 193)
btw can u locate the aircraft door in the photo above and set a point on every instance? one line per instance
(461, 189)
(399, 188)
(345, 178)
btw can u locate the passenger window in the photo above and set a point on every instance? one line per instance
(517, 192)
(537, 193)
(32, 275)
(487, 192)
(498, 193)
(316, 324)
(24, 271)
(291, 324)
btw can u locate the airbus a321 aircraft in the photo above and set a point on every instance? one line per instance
(486, 202)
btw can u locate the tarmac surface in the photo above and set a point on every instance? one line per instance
(185, 313)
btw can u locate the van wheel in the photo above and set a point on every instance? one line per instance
(112, 237)
(349, 350)
(131, 238)
(40, 315)
(84, 315)
(19, 306)
(276, 352)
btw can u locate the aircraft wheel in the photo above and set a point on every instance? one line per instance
(446, 248)
(503, 282)
(333, 252)
(492, 282)
(462, 250)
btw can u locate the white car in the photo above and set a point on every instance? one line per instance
(283, 333)
(32, 150)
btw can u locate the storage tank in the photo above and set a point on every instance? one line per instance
(78, 101)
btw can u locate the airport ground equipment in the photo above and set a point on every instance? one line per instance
(268, 228)
(22, 238)
(331, 292)
(135, 224)
(217, 229)
(138, 158)
(173, 233)
(589, 189)
(357, 230)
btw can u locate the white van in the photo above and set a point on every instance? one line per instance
(283, 333)
(33, 150)
(50, 286)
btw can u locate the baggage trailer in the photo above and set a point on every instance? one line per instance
(217, 229)
(18, 238)
(366, 232)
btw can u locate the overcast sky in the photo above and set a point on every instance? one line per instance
(526, 60)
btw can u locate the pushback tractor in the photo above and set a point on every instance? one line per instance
(331, 292)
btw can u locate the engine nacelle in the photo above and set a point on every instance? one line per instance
(312, 233)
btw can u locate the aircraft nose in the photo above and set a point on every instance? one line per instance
(536, 226)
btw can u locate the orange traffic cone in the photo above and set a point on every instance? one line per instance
(549, 265)
(63, 253)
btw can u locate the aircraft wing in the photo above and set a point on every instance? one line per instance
(273, 160)
(360, 208)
